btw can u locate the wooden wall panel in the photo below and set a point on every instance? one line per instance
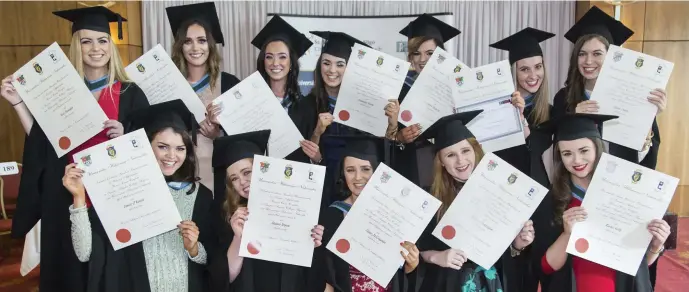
(33, 23)
(667, 21)
(634, 45)
(633, 15)
(135, 29)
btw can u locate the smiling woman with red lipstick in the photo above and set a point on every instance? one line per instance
(578, 148)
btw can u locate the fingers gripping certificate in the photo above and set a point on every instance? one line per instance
(490, 88)
(59, 100)
(160, 79)
(389, 210)
(128, 190)
(489, 211)
(430, 98)
(371, 79)
(621, 200)
(625, 81)
(252, 106)
(284, 206)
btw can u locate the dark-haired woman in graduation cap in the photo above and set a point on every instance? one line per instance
(41, 194)
(411, 157)
(578, 148)
(230, 272)
(457, 153)
(172, 261)
(196, 29)
(592, 35)
(360, 157)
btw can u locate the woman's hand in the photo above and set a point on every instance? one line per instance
(317, 235)
(392, 110)
(312, 150)
(212, 113)
(209, 129)
(411, 258)
(658, 97)
(451, 258)
(660, 231)
(518, 102)
(587, 107)
(409, 134)
(238, 219)
(72, 182)
(324, 120)
(525, 236)
(190, 236)
(115, 128)
(572, 216)
(8, 91)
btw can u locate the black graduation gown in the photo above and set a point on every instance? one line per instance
(563, 280)
(414, 160)
(297, 116)
(441, 279)
(335, 271)
(651, 159)
(227, 81)
(124, 270)
(42, 196)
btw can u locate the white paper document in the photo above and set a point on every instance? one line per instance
(59, 100)
(389, 210)
(490, 88)
(625, 81)
(161, 81)
(284, 207)
(621, 200)
(124, 182)
(251, 106)
(371, 79)
(489, 211)
(430, 98)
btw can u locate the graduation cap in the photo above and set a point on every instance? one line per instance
(96, 18)
(203, 12)
(574, 126)
(172, 113)
(364, 147)
(338, 44)
(595, 21)
(230, 149)
(277, 29)
(450, 130)
(426, 25)
(523, 44)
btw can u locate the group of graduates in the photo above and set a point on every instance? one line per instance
(209, 173)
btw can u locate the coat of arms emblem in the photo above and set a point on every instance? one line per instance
(512, 179)
(288, 171)
(86, 160)
(441, 59)
(361, 54)
(479, 75)
(636, 177)
(21, 80)
(639, 62)
(385, 177)
(111, 151)
(237, 95)
(617, 56)
(492, 165)
(458, 69)
(38, 68)
(264, 166)
(140, 67)
(459, 80)
(380, 61)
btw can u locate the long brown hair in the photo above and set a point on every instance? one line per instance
(575, 81)
(562, 193)
(541, 107)
(415, 43)
(232, 199)
(445, 187)
(318, 89)
(213, 61)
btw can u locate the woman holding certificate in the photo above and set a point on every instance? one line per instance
(197, 31)
(578, 147)
(425, 33)
(281, 47)
(172, 261)
(360, 157)
(592, 35)
(229, 271)
(41, 195)
(457, 152)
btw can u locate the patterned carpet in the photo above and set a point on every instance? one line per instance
(673, 268)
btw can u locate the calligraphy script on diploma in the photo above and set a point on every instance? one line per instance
(128, 191)
(489, 211)
(621, 200)
(59, 100)
(388, 211)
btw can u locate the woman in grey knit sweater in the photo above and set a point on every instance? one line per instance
(172, 261)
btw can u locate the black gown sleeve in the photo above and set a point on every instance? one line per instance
(29, 206)
(199, 275)
(227, 81)
(559, 104)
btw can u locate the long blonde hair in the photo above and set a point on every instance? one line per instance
(115, 67)
(445, 187)
(541, 108)
(415, 43)
(232, 199)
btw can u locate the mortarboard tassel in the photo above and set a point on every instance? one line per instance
(119, 26)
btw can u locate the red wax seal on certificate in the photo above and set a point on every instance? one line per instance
(254, 247)
(448, 232)
(581, 245)
(64, 143)
(342, 245)
(123, 235)
(343, 115)
(406, 115)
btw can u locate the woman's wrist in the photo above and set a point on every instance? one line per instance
(79, 202)
(17, 103)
